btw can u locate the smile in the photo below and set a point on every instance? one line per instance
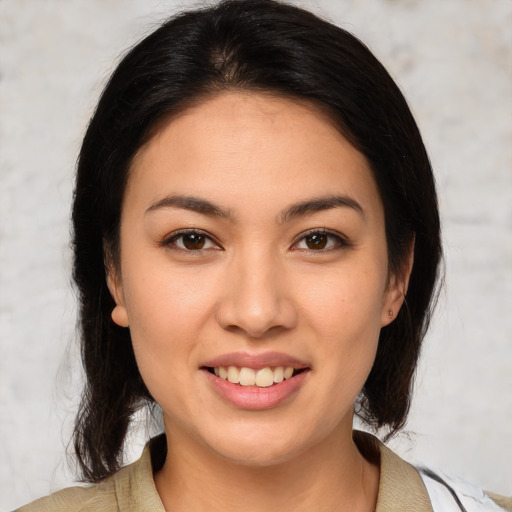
(256, 381)
(262, 377)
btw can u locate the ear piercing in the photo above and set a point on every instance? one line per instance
(390, 313)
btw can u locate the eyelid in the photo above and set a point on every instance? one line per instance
(168, 240)
(342, 240)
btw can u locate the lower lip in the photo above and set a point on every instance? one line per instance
(253, 397)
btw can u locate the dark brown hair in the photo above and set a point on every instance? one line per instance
(258, 45)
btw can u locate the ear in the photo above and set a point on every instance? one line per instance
(115, 286)
(397, 289)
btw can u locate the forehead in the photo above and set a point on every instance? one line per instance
(237, 145)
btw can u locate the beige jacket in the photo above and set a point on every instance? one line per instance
(132, 489)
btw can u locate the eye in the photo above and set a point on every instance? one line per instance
(319, 241)
(191, 240)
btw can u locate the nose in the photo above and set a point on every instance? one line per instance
(256, 299)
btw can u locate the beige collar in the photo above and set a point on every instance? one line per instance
(400, 488)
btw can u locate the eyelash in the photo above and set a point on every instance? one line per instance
(170, 241)
(339, 241)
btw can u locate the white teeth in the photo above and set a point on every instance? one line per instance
(263, 378)
(278, 374)
(247, 377)
(233, 375)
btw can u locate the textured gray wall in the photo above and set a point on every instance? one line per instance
(453, 60)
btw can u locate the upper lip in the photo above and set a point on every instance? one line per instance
(256, 361)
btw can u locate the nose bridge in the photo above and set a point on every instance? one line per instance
(255, 298)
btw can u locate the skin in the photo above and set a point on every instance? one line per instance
(258, 284)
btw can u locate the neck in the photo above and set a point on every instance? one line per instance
(331, 476)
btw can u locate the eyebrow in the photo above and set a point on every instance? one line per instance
(191, 203)
(299, 209)
(320, 204)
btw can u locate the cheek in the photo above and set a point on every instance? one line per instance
(344, 314)
(166, 315)
(345, 302)
(159, 296)
(167, 312)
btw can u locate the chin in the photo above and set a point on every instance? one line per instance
(258, 456)
(261, 447)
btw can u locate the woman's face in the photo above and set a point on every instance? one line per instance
(253, 245)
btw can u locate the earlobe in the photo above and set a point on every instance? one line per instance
(119, 314)
(394, 298)
(397, 289)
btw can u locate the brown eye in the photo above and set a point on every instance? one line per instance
(316, 241)
(193, 241)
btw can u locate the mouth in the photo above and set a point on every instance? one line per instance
(257, 377)
(256, 381)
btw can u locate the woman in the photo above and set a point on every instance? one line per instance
(256, 243)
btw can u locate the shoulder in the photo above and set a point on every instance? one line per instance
(404, 487)
(131, 489)
(443, 489)
(502, 501)
(97, 497)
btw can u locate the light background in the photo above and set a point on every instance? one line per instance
(452, 59)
